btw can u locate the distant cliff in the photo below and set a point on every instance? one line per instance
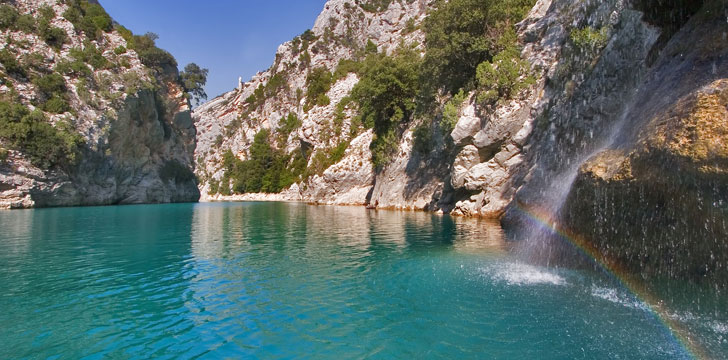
(90, 114)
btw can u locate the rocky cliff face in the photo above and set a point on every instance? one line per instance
(620, 138)
(136, 130)
(340, 31)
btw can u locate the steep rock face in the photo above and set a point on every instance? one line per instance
(137, 143)
(623, 127)
(656, 198)
(230, 121)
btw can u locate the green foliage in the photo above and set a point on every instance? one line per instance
(214, 187)
(12, 67)
(276, 83)
(57, 105)
(173, 170)
(423, 138)
(91, 19)
(46, 13)
(323, 159)
(152, 56)
(52, 93)
(44, 144)
(26, 23)
(318, 82)
(504, 77)
(75, 67)
(121, 49)
(450, 113)
(90, 55)
(286, 126)
(265, 171)
(36, 62)
(193, 80)
(4, 153)
(345, 67)
(53, 36)
(374, 6)
(8, 16)
(461, 34)
(50, 85)
(371, 47)
(386, 97)
(589, 39)
(11, 19)
(410, 26)
(382, 148)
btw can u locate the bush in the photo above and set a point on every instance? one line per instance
(90, 19)
(76, 67)
(50, 85)
(318, 82)
(90, 55)
(4, 154)
(46, 146)
(26, 23)
(589, 39)
(504, 77)
(56, 105)
(386, 97)
(46, 13)
(120, 50)
(451, 112)
(345, 67)
(423, 138)
(8, 16)
(12, 67)
(375, 5)
(461, 34)
(53, 36)
(324, 159)
(214, 187)
(287, 125)
(267, 170)
(152, 56)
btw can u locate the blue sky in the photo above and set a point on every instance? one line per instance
(231, 38)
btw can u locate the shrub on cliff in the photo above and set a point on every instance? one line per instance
(90, 19)
(505, 75)
(46, 145)
(461, 34)
(11, 64)
(8, 15)
(386, 97)
(318, 83)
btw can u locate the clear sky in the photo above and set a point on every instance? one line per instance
(231, 38)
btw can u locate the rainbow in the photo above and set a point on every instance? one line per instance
(625, 279)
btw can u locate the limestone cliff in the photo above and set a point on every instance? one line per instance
(620, 137)
(132, 131)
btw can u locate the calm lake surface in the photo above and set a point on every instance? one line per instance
(276, 280)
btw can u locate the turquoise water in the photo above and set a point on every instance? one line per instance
(274, 280)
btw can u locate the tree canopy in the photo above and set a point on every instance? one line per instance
(193, 80)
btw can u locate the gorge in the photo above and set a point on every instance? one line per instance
(590, 136)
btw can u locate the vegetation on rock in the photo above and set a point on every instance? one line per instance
(46, 145)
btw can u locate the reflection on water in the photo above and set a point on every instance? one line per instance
(262, 280)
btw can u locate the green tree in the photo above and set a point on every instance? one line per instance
(461, 34)
(193, 80)
(386, 97)
(46, 146)
(318, 82)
